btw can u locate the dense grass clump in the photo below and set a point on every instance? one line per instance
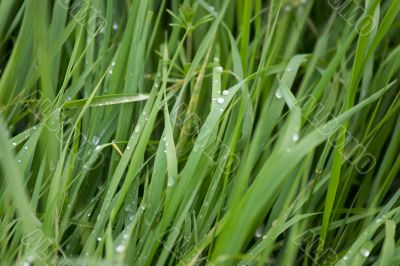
(199, 132)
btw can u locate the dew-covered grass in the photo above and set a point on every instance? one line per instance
(194, 132)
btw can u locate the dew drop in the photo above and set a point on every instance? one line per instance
(345, 258)
(170, 183)
(220, 100)
(377, 221)
(295, 137)
(221, 110)
(364, 252)
(110, 71)
(288, 69)
(69, 98)
(14, 144)
(96, 140)
(115, 26)
(288, 8)
(34, 128)
(225, 92)
(278, 94)
(120, 248)
(142, 207)
(259, 232)
(98, 147)
(19, 161)
(137, 129)
(128, 147)
(219, 69)
(99, 239)
(113, 63)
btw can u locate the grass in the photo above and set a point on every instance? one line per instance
(212, 132)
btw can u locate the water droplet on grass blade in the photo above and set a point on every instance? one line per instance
(115, 26)
(137, 129)
(220, 100)
(278, 94)
(99, 239)
(259, 232)
(364, 252)
(295, 137)
(219, 69)
(30, 258)
(96, 140)
(120, 248)
(170, 182)
(225, 92)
